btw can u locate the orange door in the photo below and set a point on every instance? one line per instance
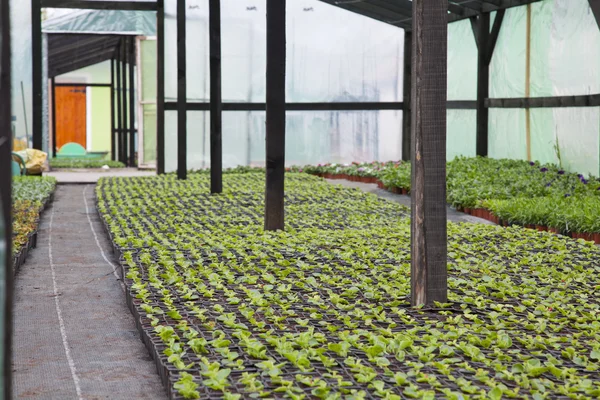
(70, 115)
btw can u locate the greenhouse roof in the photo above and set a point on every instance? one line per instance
(83, 38)
(399, 12)
(103, 21)
(70, 52)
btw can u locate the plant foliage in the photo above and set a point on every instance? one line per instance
(320, 310)
(29, 197)
(74, 163)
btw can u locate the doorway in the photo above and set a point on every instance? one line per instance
(71, 109)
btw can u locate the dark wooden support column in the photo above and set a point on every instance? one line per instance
(53, 118)
(595, 6)
(486, 42)
(181, 93)
(429, 86)
(160, 90)
(131, 53)
(276, 37)
(483, 83)
(36, 59)
(216, 107)
(5, 194)
(124, 85)
(112, 110)
(406, 114)
(117, 94)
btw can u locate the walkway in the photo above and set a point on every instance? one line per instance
(92, 175)
(74, 337)
(453, 215)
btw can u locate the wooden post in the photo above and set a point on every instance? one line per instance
(216, 107)
(595, 6)
(181, 93)
(428, 223)
(406, 114)
(483, 83)
(53, 80)
(276, 37)
(160, 90)
(117, 94)
(123, 134)
(36, 57)
(5, 193)
(112, 109)
(131, 54)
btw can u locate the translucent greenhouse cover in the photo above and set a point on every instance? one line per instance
(565, 60)
(97, 22)
(332, 56)
(335, 55)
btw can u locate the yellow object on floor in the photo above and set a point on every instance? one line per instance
(35, 160)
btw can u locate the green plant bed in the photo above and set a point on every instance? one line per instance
(516, 191)
(82, 163)
(321, 310)
(579, 214)
(30, 194)
(32, 188)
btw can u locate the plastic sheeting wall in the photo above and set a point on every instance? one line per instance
(462, 85)
(332, 55)
(20, 15)
(147, 118)
(312, 137)
(565, 60)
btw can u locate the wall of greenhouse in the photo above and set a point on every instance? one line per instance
(20, 16)
(565, 60)
(334, 55)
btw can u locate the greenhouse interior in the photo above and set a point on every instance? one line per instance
(301, 199)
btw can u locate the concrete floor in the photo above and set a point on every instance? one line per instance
(92, 175)
(74, 337)
(453, 215)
